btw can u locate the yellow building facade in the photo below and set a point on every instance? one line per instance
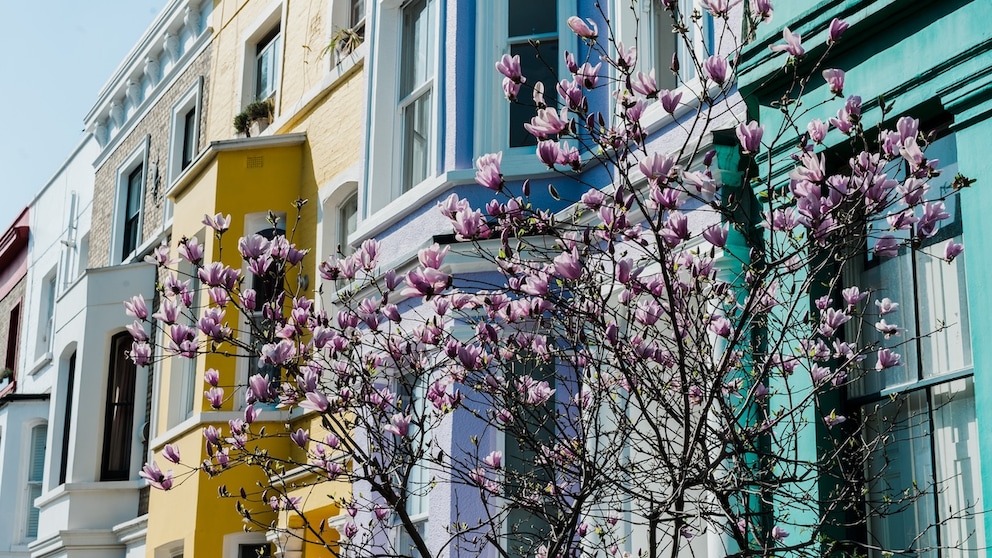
(272, 52)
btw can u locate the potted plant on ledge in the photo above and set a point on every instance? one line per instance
(253, 120)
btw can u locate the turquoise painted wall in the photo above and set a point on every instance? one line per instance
(932, 59)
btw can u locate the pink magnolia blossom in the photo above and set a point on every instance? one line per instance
(669, 100)
(887, 329)
(137, 331)
(817, 130)
(211, 376)
(568, 265)
(886, 306)
(952, 250)
(253, 246)
(218, 222)
(155, 476)
(141, 353)
(190, 250)
(511, 89)
(399, 425)
(716, 235)
(832, 420)
(657, 167)
(488, 171)
(887, 246)
(548, 151)
(645, 84)
(509, 66)
(215, 396)
(887, 359)
(750, 136)
(588, 75)
(300, 437)
(432, 256)
(582, 28)
(837, 28)
(793, 44)
(160, 256)
(136, 307)
(426, 283)
(716, 69)
(719, 8)
(762, 9)
(171, 453)
(315, 401)
(835, 79)
(548, 122)
(853, 296)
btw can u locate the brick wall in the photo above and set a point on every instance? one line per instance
(157, 126)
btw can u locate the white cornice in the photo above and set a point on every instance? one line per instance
(158, 56)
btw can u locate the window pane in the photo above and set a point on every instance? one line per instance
(347, 223)
(532, 17)
(538, 65)
(900, 499)
(189, 137)
(266, 66)
(416, 140)
(418, 38)
(357, 12)
(955, 437)
(132, 211)
(666, 44)
(70, 385)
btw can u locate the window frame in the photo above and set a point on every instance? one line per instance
(13, 351)
(646, 31)
(256, 223)
(70, 387)
(420, 515)
(190, 102)
(492, 107)
(34, 487)
(267, 57)
(137, 159)
(269, 27)
(385, 106)
(46, 317)
(416, 96)
(910, 409)
(119, 367)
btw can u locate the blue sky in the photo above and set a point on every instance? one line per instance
(56, 56)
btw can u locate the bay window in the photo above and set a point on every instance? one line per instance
(416, 90)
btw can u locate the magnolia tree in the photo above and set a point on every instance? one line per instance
(651, 362)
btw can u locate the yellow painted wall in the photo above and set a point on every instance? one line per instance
(246, 181)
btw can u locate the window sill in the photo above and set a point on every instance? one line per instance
(655, 118)
(43, 361)
(410, 201)
(203, 418)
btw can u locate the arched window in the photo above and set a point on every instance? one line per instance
(118, 425)
(70, 384)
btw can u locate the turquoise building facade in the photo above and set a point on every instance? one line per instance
(931, 61)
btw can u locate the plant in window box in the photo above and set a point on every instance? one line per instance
(254, 118)
(344, 42)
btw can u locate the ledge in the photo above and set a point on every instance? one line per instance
(186, 179)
